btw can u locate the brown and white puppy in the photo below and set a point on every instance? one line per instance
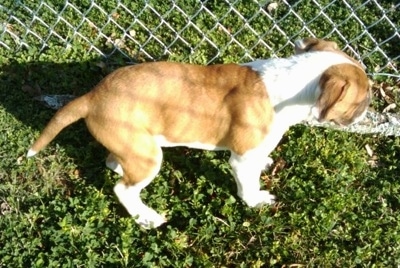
(246, 109)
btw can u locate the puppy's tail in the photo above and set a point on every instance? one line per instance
(67, 115)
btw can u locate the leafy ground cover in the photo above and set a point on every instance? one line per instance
(338, 202)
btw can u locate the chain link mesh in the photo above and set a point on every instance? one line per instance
(204, 31)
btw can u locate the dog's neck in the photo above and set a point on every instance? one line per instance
(293, 83)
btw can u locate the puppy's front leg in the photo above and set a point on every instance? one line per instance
(274, 136)
(246, 171)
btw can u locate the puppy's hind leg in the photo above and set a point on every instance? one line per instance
(140, 164)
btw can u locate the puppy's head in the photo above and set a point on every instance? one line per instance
(344, 95)
(344, 88)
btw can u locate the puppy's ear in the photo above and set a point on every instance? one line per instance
(313, 44)
(334, 88)
(344, 94)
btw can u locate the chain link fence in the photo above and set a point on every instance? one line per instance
(203, 31)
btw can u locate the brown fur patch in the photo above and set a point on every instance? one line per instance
(224, 105)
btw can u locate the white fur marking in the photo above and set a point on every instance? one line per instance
(296, 78)
(31, 153)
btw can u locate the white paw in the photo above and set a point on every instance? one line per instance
(268, 163)
(259, 199)
(150, 219)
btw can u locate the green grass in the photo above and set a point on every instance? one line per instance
(337, 206)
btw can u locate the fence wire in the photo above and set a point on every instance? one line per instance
(204, 31)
